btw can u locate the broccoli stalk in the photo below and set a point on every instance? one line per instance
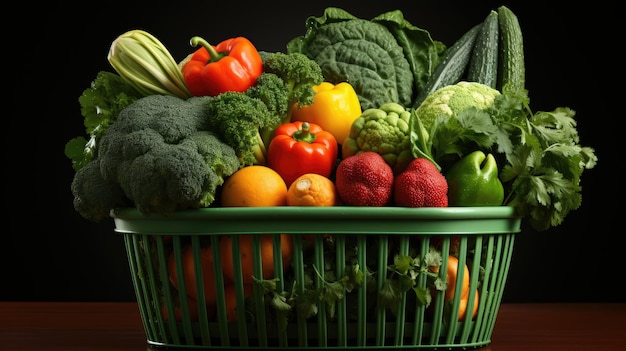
(247, 120)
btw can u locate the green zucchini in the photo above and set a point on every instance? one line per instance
(483, 65)
(511, 60)
(453, 65)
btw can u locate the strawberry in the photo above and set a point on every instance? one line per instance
(420, 185)
(364, 179)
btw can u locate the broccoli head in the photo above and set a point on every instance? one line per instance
(384, 130)
(163, 156)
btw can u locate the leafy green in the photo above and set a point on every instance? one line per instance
(100, 104)
(386, 59)
(539, 153)
(404, 274)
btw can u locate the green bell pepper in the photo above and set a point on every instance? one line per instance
(473, 181)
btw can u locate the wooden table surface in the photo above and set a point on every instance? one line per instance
(86, 326)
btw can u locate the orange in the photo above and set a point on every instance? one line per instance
(312, 189)
(246, 257)
(254, 186)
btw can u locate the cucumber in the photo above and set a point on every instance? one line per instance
(483, 65)
(453, 66)
(512, 69)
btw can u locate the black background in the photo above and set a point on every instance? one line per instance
(51, 253)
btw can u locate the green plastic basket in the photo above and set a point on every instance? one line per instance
(334, 243)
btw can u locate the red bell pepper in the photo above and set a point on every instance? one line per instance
(232, 65)
(302, 147)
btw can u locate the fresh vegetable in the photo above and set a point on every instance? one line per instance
(300, 74)
(442, 129)
(161, 155)
(232, 65)
(302, 147)
(384, 130)
(364, 179)
(146, 64)
(473, 181)
(452, 99)
(539, 153)
(511, 53)
(247, 121)
(400, 56)
(334, 109)
(100, 104)
(453, 66)
(420, 185)
(483, 65)
(94, 196)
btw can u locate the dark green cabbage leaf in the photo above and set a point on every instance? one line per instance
(385, 59)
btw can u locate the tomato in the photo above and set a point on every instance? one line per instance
(208, 277)
(246, 259)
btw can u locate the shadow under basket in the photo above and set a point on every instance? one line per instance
(337, 277)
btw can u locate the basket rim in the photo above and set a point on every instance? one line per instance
(335, 219)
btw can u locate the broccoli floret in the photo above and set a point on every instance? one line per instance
(100, 104)
(94, 197)
(239, 120)
(163, 156)
(299, 73)
(247, 121)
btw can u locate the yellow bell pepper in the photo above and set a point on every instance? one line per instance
(334, 109)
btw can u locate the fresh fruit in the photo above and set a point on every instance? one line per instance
(254, 186)
(364, 179)
(246, 255)
(312, 189)
(420, 185)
